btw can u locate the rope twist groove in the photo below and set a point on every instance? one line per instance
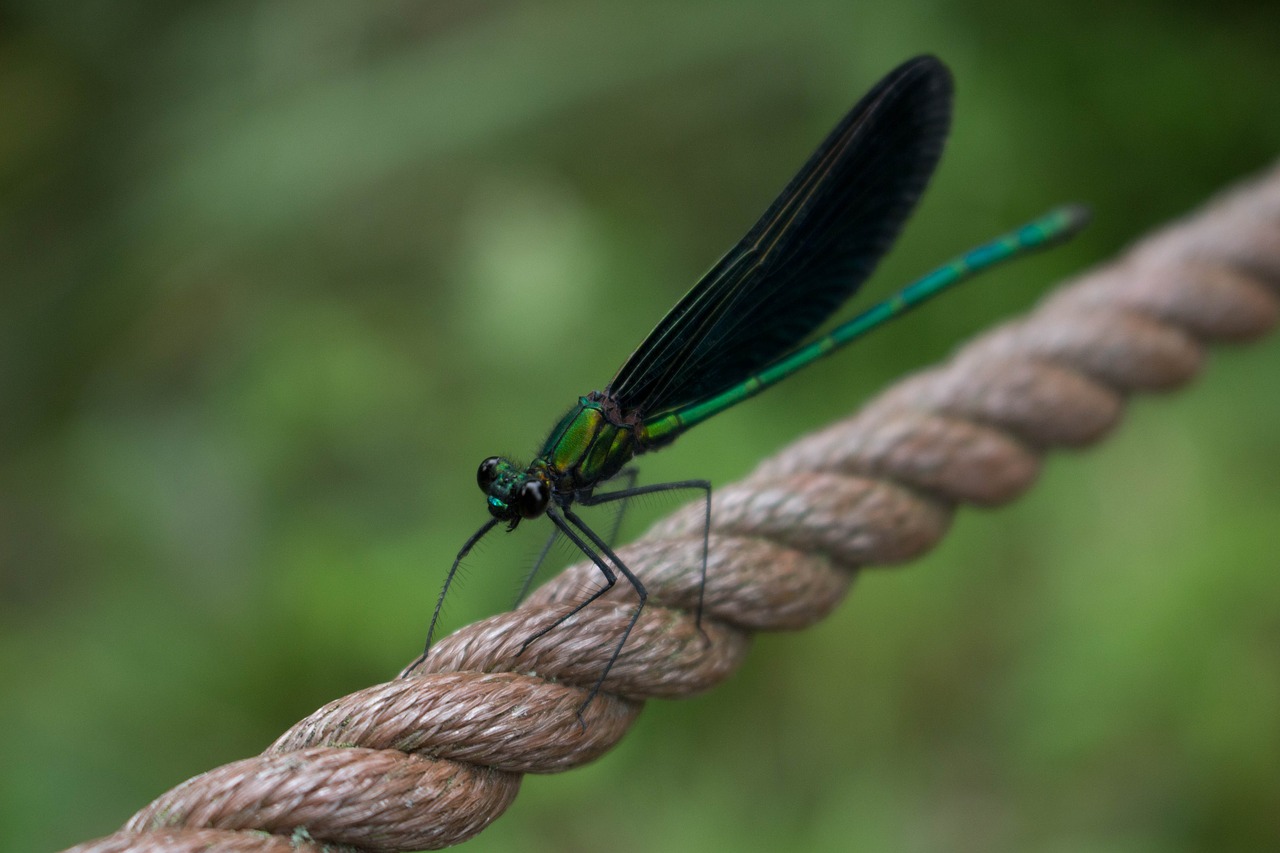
(427, 761)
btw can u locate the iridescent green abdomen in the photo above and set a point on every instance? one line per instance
(587, 446)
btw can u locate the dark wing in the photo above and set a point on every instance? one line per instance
(811, 250)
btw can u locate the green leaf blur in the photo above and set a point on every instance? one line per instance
(276, 276)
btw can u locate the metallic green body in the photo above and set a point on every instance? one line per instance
(589, 445)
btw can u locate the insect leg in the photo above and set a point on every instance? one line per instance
(628, 474)
(453, 570)
(610, 578)
(641, 593)
(537, 564)
(704, 486)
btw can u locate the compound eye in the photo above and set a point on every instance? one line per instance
(534, 496)
(488, 472)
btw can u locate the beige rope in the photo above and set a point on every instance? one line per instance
(430, 760)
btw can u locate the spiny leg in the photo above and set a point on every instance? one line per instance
(629, 474)
(435, 616)
(567, 523)
(609, 577)
(641, 593)
(705, 487)
(537, 564)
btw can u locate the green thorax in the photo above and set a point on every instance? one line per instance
(591, 443)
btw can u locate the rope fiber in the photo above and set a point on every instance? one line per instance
(428, 761)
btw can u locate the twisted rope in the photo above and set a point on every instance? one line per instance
(428, 761)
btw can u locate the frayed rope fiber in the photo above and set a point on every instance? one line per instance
(428, 761)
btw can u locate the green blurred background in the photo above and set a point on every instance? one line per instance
(277, 275)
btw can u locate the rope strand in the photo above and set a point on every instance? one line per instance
(428, 761)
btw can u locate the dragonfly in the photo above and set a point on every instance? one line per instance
(743, 327)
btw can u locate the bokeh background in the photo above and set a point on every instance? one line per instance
(275, 276)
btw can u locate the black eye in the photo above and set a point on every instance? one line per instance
(488, 472)
(533, 499)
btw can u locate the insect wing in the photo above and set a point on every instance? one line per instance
(809, 252)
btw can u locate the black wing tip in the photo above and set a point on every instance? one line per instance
(924, 60)
(928, 82)
(928, 65)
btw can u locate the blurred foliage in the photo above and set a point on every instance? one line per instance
(275, 276)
